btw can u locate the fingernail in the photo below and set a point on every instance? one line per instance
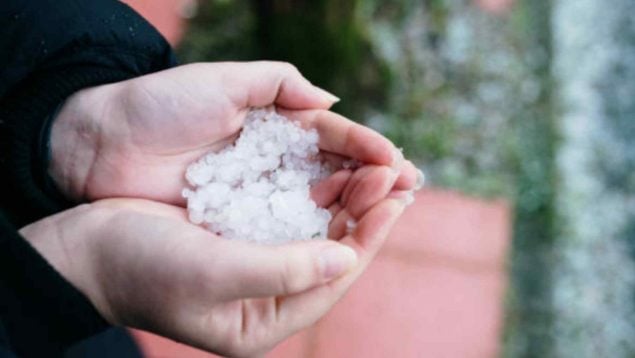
(335, 260)
(397, 158)
(327, 95)
(351, 224)
(421, 179)
(408, 199)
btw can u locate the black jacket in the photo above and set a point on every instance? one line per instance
(50, 49)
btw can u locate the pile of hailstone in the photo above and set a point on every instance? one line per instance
(259, 187)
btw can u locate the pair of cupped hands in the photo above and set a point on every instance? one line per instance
(123, 149)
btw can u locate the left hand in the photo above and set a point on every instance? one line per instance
(136, 138)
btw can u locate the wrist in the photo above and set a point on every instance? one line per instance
(68, 243)
(74, 140)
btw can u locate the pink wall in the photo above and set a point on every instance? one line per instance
(498, 7)
(168, 16)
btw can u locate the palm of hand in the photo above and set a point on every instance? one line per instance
(168, 123)
(135, 138)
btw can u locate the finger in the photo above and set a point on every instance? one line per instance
(300, 310)
(263, 83)
(249, 271)
(338, 225)
(328, 190)
(333, 159)
(367, 186)
(334, 209)
(405, 196)
(344, 137)
(409, 176)
(373, 228)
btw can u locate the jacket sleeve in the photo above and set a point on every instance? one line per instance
(42, 313)
(50, 49)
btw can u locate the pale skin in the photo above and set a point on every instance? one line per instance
(135, 138)
(143, 265)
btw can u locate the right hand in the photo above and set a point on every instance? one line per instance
(143, 265)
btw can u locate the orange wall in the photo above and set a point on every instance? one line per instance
(168, 16)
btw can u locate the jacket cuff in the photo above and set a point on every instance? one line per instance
(25, 112)
(40, 305)
(44, 155)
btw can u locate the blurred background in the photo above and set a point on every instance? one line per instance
(522, 115)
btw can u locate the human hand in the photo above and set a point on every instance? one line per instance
(135, 138)
(143, 265)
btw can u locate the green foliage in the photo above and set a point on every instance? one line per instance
(221, 31)
(529, 325)
(322, 38)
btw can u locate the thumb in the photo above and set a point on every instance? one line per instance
(263, 83)
(265, 271)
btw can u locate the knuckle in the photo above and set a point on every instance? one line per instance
(297, 270)
(286, 281)
(289, 68)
